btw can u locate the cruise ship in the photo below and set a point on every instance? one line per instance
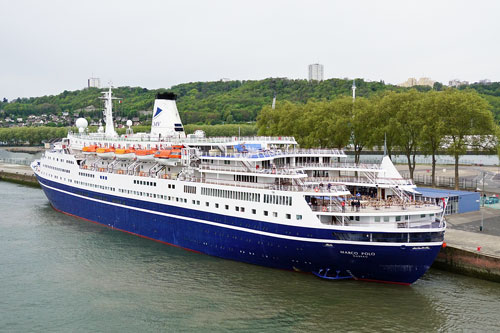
(258, 200)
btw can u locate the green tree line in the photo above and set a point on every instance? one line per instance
(38, 135)
(433, 122)
(198, 102)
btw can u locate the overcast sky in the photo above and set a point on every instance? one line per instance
(50, 46)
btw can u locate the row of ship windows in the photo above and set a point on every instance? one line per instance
(57, 160)
(277, 199)
(397, 218)
(197, 202)
(243, 178)
(144, 182)
(102, 187)
(55, 168)
(247, 196)
(84, 174)
(417, 237)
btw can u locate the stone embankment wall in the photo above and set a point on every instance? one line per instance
(468, 263)
(19, 178)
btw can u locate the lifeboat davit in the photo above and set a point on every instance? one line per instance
(145, 155)
(124, 154)
(168, 156)
(105, 152)
(87, 150)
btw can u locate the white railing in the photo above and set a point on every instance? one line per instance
(361, 166)
(312, 189)
(241, 169)
(149, 138)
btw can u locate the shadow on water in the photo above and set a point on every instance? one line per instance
(63, 273)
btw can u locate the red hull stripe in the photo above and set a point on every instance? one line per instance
(388, 282)
(128, 232)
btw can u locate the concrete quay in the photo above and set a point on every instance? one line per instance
(20, 174)
(469, 250)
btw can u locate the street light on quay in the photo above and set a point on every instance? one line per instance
(482, 218)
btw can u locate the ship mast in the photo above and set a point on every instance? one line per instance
(108, 113)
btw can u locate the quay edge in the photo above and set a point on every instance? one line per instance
(469, 263)
(25, 178)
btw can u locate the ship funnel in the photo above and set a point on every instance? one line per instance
(166, 119)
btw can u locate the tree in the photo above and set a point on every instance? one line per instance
(434, 127)
(386, 126)
(402, 111)
(438, 86)
(469, 123)
(361, 125)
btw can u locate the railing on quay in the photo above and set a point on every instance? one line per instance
(449, 182)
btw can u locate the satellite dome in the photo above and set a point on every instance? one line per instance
(129, 123)
(82, 123)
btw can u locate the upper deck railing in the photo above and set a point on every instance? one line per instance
(341, 165)
(310, 188)
(362, 180)
(187, 140)
(276, 153)
(242, 169)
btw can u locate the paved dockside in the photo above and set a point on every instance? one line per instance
(470, 250)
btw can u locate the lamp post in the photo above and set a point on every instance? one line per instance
(484, 195)
(482, 218)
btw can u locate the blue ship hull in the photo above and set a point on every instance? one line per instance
(246, 240)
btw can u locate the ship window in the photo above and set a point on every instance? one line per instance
(275, 214)
(422, 215)
(254, 211)
(288, 216)
(207, 204)
(242, 209)
(377, 218)
(398, 218)
(298, 217)
(266, 213)
(237, 208)
(227, 206)
(386, 218)
(216, 205)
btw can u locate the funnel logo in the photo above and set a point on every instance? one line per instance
(158, 111)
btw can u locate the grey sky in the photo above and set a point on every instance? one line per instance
(50, 46)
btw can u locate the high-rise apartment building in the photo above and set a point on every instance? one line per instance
(315, 72)
(94, 82)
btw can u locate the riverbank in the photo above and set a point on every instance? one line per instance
(470, 251)
(24, 149)
(19, 174)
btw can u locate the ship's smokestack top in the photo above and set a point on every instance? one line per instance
(166, 120)
(166, 95)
